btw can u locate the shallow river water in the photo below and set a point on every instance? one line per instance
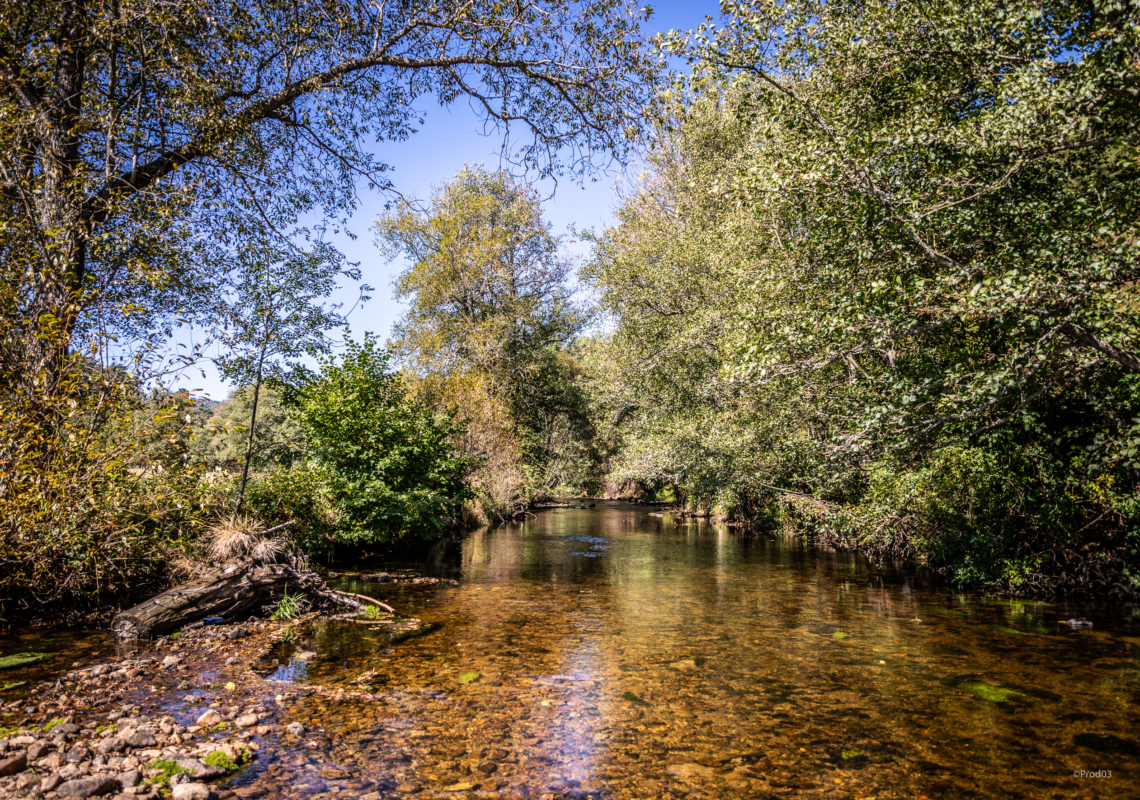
(630, 655)
(617, 653)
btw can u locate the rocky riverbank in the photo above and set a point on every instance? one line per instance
(176, 718)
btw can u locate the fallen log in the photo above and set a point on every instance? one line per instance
(228, 592)
(254, 570)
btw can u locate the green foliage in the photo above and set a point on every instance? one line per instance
(392, 470)
(300, 493)
(470, 677)
(374, 612)
(488, 331)
(882, 280)
(277, 441)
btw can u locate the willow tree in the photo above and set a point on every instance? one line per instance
(490, 313)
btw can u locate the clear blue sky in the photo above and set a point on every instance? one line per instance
(450, 138)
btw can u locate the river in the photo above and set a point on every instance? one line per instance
(615, 652)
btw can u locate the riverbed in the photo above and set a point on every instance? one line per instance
(615, 652)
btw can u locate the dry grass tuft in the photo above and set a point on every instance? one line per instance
(239, 540)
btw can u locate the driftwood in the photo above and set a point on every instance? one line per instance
(229, 592)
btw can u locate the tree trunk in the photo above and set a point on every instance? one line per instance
(228, 592)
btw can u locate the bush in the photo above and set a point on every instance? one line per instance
(391, 468)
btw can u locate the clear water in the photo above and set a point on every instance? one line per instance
(626, 655)
(622, 654)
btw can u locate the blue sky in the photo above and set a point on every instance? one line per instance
(450, 138)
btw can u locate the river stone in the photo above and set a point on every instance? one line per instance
(13, 764)
(88, 787)
(305, 655)
(38, 750)
(691, 771)
(295, 729)
(209, 719)
(129, 778)
(114, 744)
(232, 660)
(191, 791)
(77, 754)
(49, 783)
(246, 721)
(198, 769)
(102, 669)
(26, 781)
(141, 740)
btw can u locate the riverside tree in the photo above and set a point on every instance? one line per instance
(887, 254)
(489, 321)
(277, 312)
(128, 125)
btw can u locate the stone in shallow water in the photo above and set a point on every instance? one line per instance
(691, 771)
(987, 691)
(209, 719)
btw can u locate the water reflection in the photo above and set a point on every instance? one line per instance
(628, 655)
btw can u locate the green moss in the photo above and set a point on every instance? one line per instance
(1014, 631)
(631, 697)
(220, 759)
(12, 685)
(53, 723)
(847, 755)
(374, 612)
(23, 659)
(987, 691)
(176, 635)
(469, 677)
(168, 770)
(840, 635)
(6, 732)
(948, 612)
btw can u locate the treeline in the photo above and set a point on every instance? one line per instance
(875, 283)
(878, 284)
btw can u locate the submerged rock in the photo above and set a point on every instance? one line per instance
(1079, 622)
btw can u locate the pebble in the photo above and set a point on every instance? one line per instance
(38, 750)
(191, 791)
(94, 786)
(171, 661)
(295, 729)
(209, 719)
(14, 764)
(246, 721)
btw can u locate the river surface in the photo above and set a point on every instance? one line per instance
(617, 653)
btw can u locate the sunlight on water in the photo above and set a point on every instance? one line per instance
(626, 655)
